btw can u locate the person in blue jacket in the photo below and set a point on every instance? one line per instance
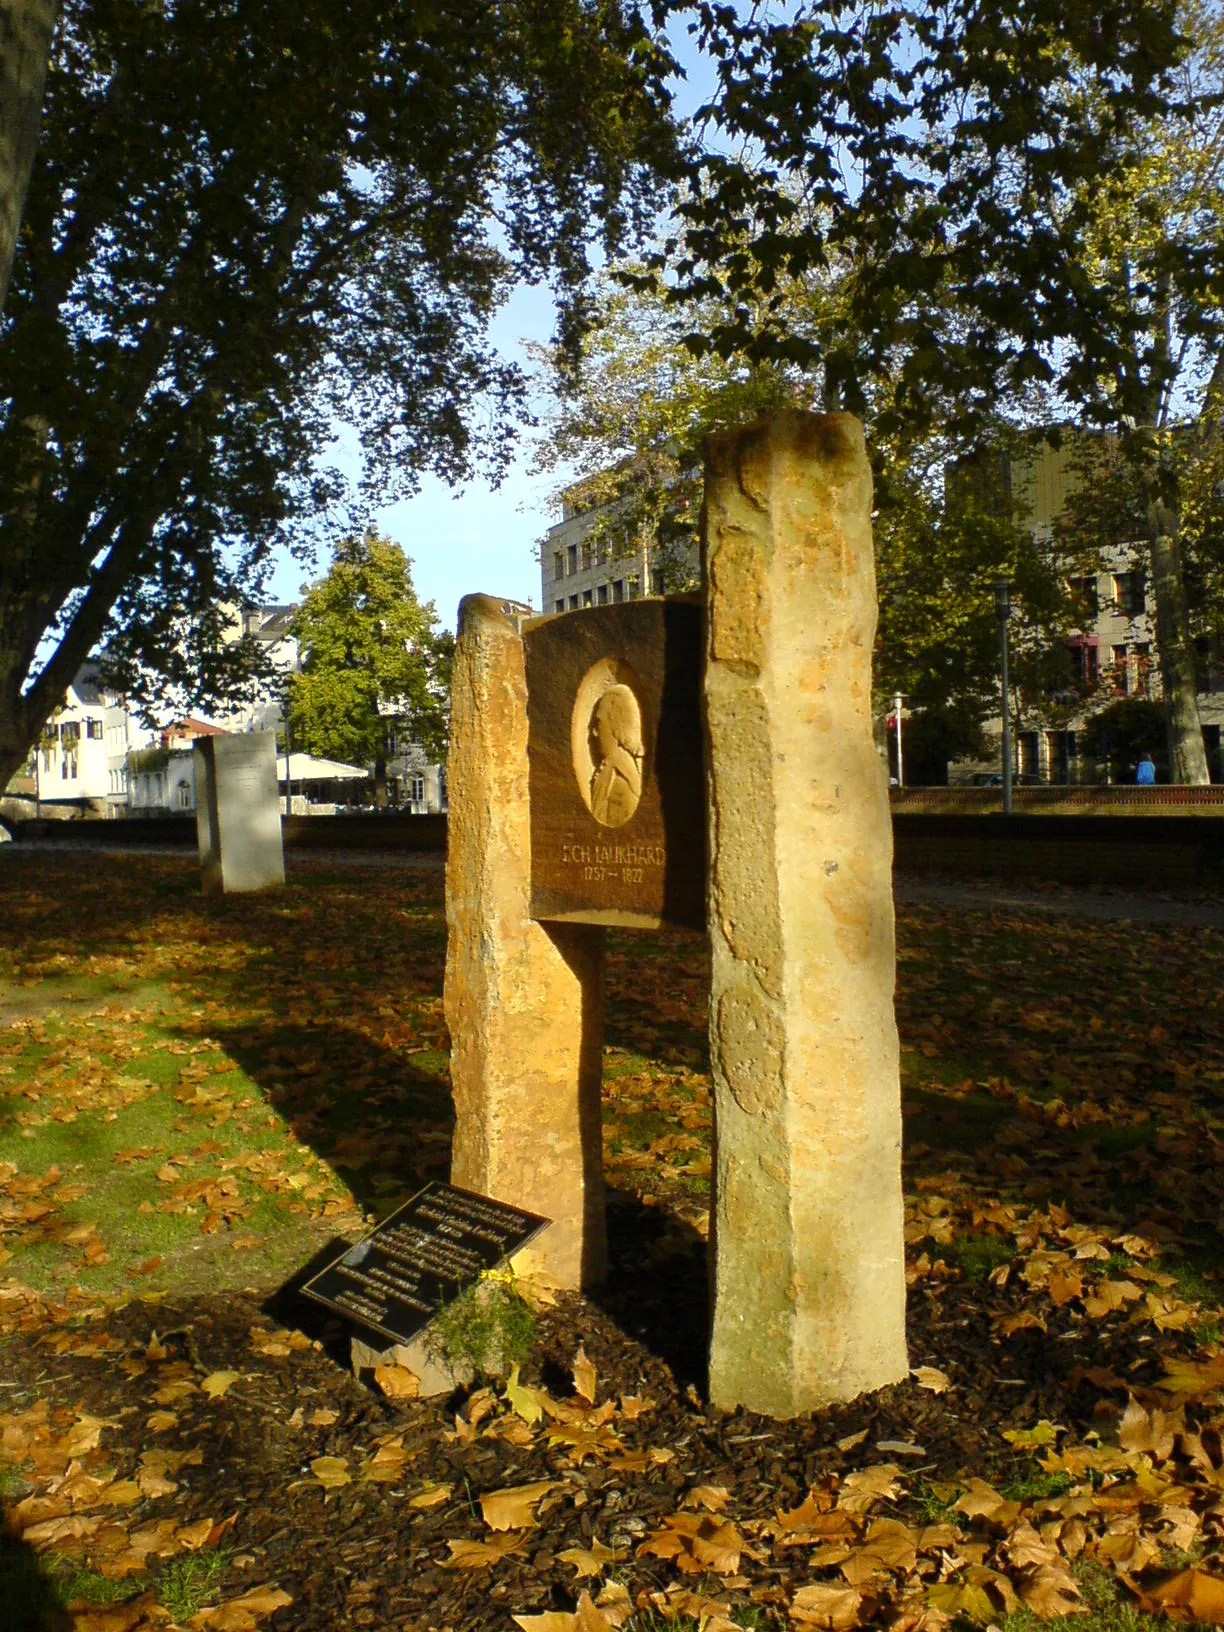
(1146, 774)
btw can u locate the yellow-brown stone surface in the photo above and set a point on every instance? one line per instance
(808, 1274)
(524, 1001)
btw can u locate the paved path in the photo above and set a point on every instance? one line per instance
(983, 895)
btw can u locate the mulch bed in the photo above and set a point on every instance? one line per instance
(362, 1556)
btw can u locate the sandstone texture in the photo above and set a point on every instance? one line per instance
(238, 822)
(524, 1000)
(808, 1272)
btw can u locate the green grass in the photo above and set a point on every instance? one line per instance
(977, 1256)
(1037, 1486)
(1108, 1609)
(188, 1582)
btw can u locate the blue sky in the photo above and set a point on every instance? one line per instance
(475, 539)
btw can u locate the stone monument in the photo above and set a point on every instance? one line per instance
(597, 758)
(238, 813)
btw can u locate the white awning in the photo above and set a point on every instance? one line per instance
(306, 768)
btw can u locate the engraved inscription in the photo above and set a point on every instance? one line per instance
(609, 752)
(421, 1257)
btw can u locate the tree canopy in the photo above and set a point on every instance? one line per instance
(250, 225)
(372, 659)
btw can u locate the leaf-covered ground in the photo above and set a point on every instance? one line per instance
(196, 1097)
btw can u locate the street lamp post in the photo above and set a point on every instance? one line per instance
(1002, 599)
(897, 700)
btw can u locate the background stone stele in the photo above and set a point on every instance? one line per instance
(524, 1000)
(238, 822)
(809, 1268)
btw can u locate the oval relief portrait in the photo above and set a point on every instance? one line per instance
(607, 741)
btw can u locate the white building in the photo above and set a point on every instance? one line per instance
(82, 755)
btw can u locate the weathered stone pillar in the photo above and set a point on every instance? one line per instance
(808, 1260)
(524, 1001)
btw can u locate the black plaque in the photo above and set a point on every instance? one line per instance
(616, 764)
(420, 1257)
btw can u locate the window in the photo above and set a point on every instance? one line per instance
(68, 769)
(635, 589)
(573, 603)
(1120, 677)
(1030, 753)
(1130, 593)
(1085, 601)
(558, 563)
(559, 606)
(656, 580)
(93, 730)
(184, 795)
(618, 590)
(1084, 662)
(587, 597)
(571, 556)
(1142, 653)
(70, 732)
(1062, 749)
(416, 790)
(601, 595)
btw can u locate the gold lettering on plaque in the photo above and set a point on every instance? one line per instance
(607, 741)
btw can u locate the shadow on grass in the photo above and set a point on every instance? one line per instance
(29, 1600)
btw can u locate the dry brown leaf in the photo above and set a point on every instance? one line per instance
(397, 1382)
(1050, 1590)
(930, 1377)
(240, 1614)
(514, 1507)
(218, 1383)
(713, 1498)
(475, 1555)
(331, 1471)
(590, 1560)
(861, 1490)
(323, 1417)
(1063, 1285)
(1107, 1296)
(888, 1545)
(982, 1501)
(159, 1421)
(832, 1607)
(1190, 1595)
(134, 1616)
(387, 1464)
(586, 1618)
(1023, 1321)
(1149, 1432)
(584, 1376)
(430, 1495)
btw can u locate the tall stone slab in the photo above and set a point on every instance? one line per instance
(238, 821)
(808, 1259)
(524, 1000)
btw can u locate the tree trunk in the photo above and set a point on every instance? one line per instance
(380, 784)
(1187, 752)
(26, 30)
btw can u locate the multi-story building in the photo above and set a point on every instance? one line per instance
(579, 569)
(1113, 653)
(82, 755)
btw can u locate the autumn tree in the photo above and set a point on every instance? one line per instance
(955, 165)
(26, 28)
(372, 659)
(251, 227)
(625, 434)
(1155, 236)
